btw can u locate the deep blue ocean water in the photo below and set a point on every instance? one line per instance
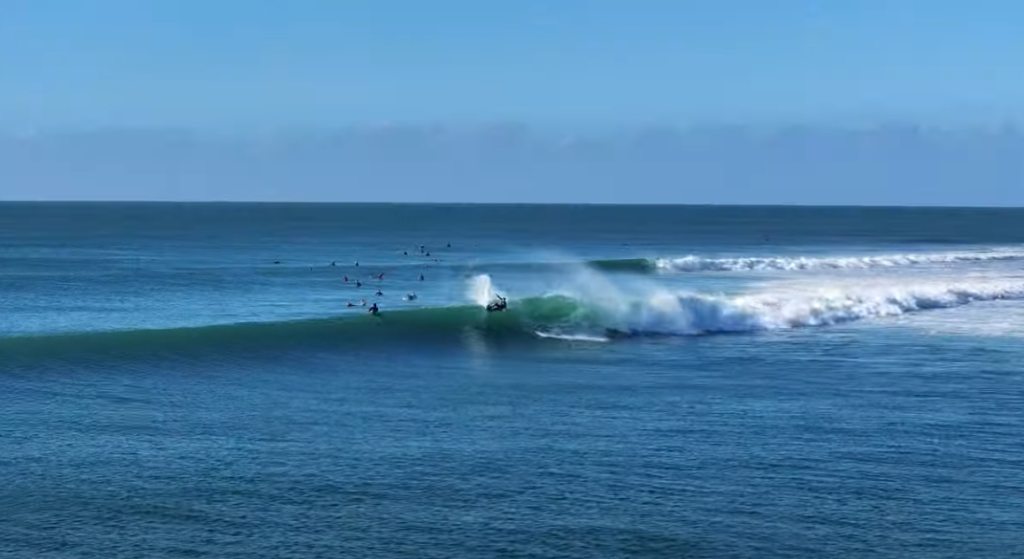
(187, 380)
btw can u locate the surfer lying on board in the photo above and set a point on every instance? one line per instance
(499, 305)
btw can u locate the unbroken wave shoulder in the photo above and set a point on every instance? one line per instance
(396, 328)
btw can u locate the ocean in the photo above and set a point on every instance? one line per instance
(189, 380)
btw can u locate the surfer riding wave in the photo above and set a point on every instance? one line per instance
(499, 304)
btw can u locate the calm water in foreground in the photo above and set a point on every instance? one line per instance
(668, 382)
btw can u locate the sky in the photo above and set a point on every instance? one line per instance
(75, 75)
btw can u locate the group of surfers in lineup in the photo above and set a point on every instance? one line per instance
(499, 304)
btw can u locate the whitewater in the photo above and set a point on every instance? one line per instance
(595, 303)
(694, 263)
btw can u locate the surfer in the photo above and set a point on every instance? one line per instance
(379, 294)
(411, 297)
(499, 305)
(615, 333)
(351, 304)
(359, 283)
(421, 277)
(374, 310)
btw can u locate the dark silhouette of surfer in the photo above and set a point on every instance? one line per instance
(499, 305)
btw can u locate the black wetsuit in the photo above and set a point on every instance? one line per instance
(499, 306)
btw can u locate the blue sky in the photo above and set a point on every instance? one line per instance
(305, 62)
(574, 65)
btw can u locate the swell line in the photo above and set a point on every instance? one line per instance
(565, 317)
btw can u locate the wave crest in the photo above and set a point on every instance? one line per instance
(701, 314)
(694, 263)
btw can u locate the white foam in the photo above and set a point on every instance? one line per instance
(996, 319)
(481, 290)
(643, 305)
(695, 263)
(779, 307)
(571, 337)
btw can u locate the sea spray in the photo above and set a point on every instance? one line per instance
(481, 290)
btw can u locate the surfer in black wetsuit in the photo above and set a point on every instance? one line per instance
(614, 333)
(499, 305)
(374, 310)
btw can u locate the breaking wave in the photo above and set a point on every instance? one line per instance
(581, 317)
(796, 263)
